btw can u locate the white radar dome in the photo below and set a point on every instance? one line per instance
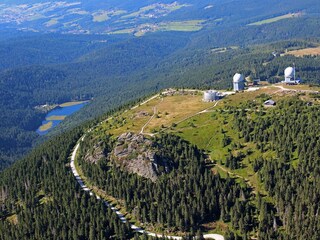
(289, 72)
(237, 78)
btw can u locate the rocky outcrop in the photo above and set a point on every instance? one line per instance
(137, 154)
(95, 155)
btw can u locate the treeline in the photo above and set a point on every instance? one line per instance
(181, 200)
(292, 178)
(40, 199)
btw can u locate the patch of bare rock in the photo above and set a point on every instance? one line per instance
(137, 154)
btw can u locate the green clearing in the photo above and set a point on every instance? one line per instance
(100, 17)
(180, 26)
(123, 31)
(13, 219)
(52, 22)
(183, 26)
(43, 198)
(141, 10)
(36, 17)
(169, 110)
(223, 49)
(118, 12)
(169, 8)
(274, 19)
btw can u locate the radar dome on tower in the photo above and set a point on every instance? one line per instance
(290, 75)
(289, 72)
(238, 78)
(238, 82)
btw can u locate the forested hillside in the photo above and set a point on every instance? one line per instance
(260, 179)
(118, 71)
(41, 200)
(292, 178)
(182, 200)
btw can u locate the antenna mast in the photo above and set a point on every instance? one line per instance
(294, 72)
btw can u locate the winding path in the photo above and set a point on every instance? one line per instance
(282, 88)
(119, 214)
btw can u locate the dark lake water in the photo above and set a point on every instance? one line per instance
(60, 112)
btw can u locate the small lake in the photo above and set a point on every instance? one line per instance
(57, 115)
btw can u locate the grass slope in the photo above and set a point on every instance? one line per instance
(204, 124)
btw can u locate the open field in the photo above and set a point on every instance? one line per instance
(223, 49)
(180, 26)
(241, 97)
(176, 108)
(123, 31)
(301, 87)
(169, 110)
(52, 22)
(305, 52)
(100, 17)
(141, 10)
(45, 127)
(275, 19)
(183, 26)
(155, 9)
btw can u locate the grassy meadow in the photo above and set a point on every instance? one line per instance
(274, 19)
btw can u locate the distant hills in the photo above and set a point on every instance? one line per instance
(138, 18)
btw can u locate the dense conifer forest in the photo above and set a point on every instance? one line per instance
(40, 199)
(292, 177)
(182, 200)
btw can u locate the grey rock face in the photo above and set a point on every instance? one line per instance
(137, 154)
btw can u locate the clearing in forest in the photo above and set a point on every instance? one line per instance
(275, 19)
(305, 52)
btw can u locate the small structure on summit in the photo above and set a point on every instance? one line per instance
(238, 82)
(210, 96)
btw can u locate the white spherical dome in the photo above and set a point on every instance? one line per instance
(237, 78)
(289, 72)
